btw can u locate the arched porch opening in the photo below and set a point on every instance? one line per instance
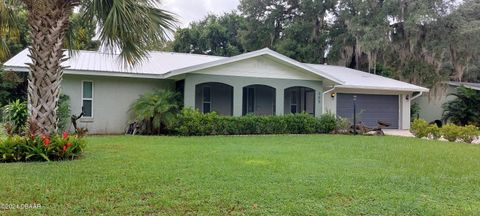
(259, 100)
(299, 99)
(214, 97)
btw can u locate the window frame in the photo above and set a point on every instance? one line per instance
(89, 99)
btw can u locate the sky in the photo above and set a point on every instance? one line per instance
(194, 10)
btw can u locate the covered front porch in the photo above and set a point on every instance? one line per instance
(237, 96)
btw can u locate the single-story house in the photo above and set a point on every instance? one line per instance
(262, 82)
(431, 105)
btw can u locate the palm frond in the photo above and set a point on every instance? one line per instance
(130, 26)
(8, 25)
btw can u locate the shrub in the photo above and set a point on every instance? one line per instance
(419, 128)
(327, 123)
(342, 126)
(193, 123)
(156, 109)
(414, 111)
(463, 109)
(433, 131)
(40, 148)
(451, 132)
(303, 123)
(469, 133)
(63, 112)
(16, 113)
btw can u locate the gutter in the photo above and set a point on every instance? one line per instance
(416, 96)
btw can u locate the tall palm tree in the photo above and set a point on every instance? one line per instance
(130, 26)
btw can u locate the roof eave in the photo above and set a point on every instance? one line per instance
(419, 89)
(93, 73)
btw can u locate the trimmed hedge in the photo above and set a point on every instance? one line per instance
(194, 123)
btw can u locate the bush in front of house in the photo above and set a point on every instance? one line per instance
(469, 133)
(63, 112)
(434, 132)
(451, 132)
(156, 110)
(419, 128)
(15, 116)
(56, 147)
(463, 110)
(194, 123)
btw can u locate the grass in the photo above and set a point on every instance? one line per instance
(296, 175)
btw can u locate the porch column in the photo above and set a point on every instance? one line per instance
(237, 100)
(189, 94)
(280, 101)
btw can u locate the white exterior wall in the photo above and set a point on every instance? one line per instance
(431, 105)
(404, 104)
(111, 101)
(261, 67)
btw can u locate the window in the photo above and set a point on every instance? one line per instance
(87, 99)
(294, 102)
(250, 100)
(207, 99)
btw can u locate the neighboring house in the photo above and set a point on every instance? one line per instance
(431, 106)
(262, 82)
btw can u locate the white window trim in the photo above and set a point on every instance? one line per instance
(91, 99)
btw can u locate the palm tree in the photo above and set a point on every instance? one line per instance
(464, 109)
(130, 26)
(156, 109)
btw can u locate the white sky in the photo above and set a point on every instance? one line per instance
(194, 10)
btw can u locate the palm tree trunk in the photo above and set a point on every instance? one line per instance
(48, 21)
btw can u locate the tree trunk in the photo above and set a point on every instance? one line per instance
(48, 21)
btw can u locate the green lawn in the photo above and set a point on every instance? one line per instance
(297, 175)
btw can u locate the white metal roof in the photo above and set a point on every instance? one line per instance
(359, 79)
(161, 65)
(474, 86)
(88, 62)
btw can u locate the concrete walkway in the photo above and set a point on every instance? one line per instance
(397, 132)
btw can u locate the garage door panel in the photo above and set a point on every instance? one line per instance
(370, 108)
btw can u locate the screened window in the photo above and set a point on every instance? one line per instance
(250, 100)
(87, 98)
(207, 99)
(294, 102)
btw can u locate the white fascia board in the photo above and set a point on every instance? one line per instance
(16, 69)
(419, 89)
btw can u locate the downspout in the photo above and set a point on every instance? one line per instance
(416, 96)
(323, 98)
